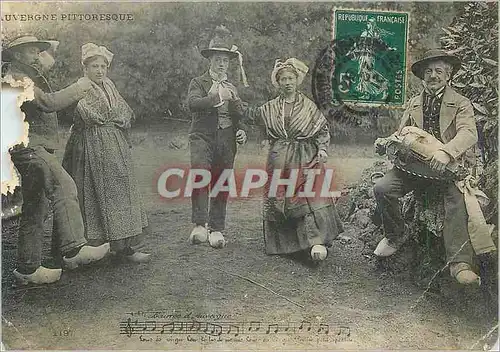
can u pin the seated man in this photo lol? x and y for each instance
(43, 178)
(449, 117)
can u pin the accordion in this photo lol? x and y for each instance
(411, 151)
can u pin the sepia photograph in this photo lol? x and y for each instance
(258, 176)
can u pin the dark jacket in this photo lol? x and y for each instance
(40, 112)
(204, 115)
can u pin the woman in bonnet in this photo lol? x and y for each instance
(99, 159)
(298, 137)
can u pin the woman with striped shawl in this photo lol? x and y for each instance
(298, 136)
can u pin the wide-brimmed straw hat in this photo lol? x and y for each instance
(220, 44)
(24, 41)
(419, 67)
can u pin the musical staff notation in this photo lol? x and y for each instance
(131, 327)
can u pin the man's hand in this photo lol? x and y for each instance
(231, 88)
(214, 89)
(439, 161)
(84, 83)
(226, 94)
(214, 93)
(380, 146)
(322, 156)
(241, 137)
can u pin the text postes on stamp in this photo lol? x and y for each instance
(370, 65)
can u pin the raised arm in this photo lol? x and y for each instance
(55, 101)
(198, 100)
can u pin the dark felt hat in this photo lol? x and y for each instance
(434, 55)
(220, 44)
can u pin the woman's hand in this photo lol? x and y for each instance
(322, 156)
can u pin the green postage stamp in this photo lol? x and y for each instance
(370, 65)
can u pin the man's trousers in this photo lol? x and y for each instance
(397, 183)
(44, 182)
(214, 152)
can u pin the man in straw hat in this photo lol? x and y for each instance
(43, 179)
(215, 130)
(449, 117)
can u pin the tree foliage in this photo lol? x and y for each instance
(158, 53)
(473, 37)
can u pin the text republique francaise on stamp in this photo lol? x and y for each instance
(370, 68)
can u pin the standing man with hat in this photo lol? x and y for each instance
(448, 116)
(216, 128)
(43, 179)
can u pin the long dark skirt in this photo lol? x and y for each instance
(292, 225)
(100, 161)
(288, 235)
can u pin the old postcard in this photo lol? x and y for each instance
(249, 176)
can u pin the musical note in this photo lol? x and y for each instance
(128, 328)
(152, 323)
(302, 323)
(253, 324)
(325, 328)
(273, 328)
(131, 327)
(195, 326)
(215, 330)
(170, 327)
(180, 326)
(232, 328)
(344, 329)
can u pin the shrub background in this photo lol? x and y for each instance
(157, 53)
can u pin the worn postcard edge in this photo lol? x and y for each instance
(26, 94)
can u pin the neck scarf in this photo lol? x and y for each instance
(217, 77)
(436, 93)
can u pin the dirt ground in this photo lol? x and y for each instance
(84, 309)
